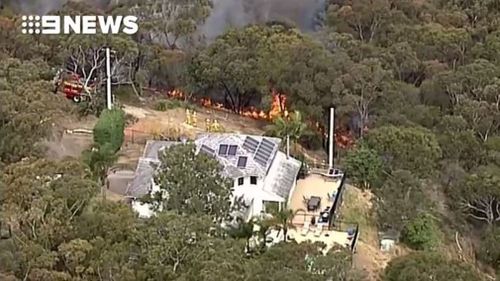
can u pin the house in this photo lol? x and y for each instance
(143, 181)
(263, 176)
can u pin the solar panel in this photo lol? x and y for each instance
(250, 144)
(232, 150)
(264, 151)
(242, 162)
(207, 150)
(223, 149)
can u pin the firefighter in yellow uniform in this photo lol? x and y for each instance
(194, 119)
(215, 127)
(188, 117)
(207, 125)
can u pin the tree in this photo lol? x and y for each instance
(170, 244)
(489, 250)
(412, 149)
(283, 220)
(303, 70)
(421, 266)
(478, 196)
(365, 21)
(236, 65)
(422, 232)
(109, 129)
(404, 61)
(86, 57)
(364, 166)
(41, 201)
(460, 144)
(359, 88)
(193, 183)
(100, 158)
(244, 230)
(400, 199)
(303, 261)
(27, 109)
(291, 126)
(172, 23)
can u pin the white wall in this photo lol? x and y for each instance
(250, 191)
(144, 210)
(246, 182)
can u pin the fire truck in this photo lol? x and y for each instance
(72, 86)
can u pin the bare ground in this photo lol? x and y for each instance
(151, 123)
(64, 142)
(357, 207)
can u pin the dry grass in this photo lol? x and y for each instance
(357, 207)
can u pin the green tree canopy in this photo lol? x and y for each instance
(421, 266)
(412, 149)
(365, 166)
(192, 183)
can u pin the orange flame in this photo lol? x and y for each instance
(277, 106)
(343, 137)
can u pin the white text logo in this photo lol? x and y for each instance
(79, 24)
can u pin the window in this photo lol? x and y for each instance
(242, 162)
(253, 180)
(223, 149)
(232, 150)
(271, 207)
(240, 181)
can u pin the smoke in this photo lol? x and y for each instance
(305, 14)
(42, 7)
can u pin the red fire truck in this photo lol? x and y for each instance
(72, 87)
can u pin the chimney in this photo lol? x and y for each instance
(331, 138)
(287, 146)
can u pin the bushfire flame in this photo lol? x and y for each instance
(343, 137)
(278, 106)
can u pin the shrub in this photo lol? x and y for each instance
(164, 105)
(311, 140)
(421, 233)
(109, 128)
(489, 249)
(161, 106)
(364, 166)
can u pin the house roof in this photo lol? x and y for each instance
(259, 152)
(282, 175)
(146, 166)
(263, 159)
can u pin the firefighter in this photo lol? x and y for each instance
(188, 117)
(216, 127)
(207, 125)
(194, 119)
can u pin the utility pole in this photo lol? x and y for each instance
(108, 79)
(331, 138)
(287, 146)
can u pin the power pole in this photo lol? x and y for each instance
(287, 146)
(331, 138)
(108, 80)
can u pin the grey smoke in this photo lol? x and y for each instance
(236, 13)
(42, 7)
(226, 13)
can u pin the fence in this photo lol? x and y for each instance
(137, 137)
